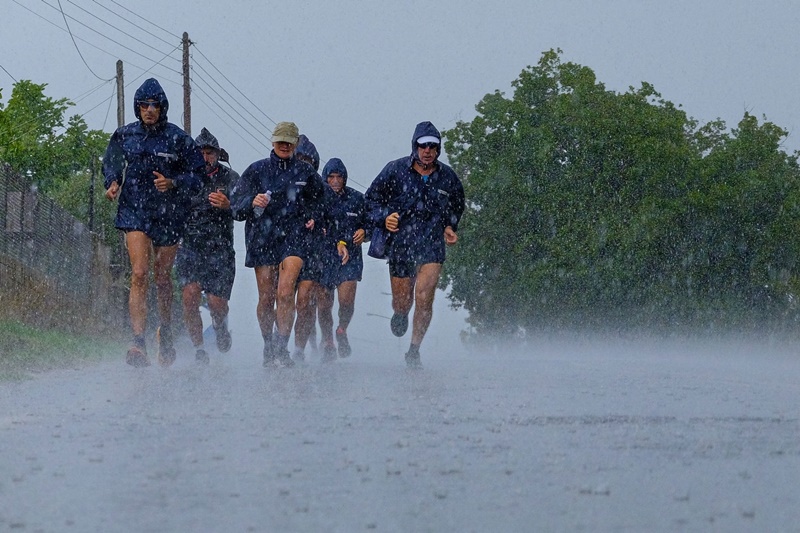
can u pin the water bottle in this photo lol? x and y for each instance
(258, 211)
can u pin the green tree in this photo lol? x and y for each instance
(32, 140)
(591, 207)
(57, 154)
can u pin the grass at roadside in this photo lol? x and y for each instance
(25, 350)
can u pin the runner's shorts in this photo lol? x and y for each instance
(214, 271)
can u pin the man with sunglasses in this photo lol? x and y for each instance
(419, 200)
(153, 168)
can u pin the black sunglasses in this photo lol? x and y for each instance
(145, 105)
(428, 145)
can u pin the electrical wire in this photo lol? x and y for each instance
(136, 25)
(9, 74)
(118, 29)
(149, 22)
(98, 32)
(76, 44)
(233, 85)
(220, 99)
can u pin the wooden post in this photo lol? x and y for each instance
(187, 89)
(120, 95)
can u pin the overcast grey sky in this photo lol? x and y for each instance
(357, 76)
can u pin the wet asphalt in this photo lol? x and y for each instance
(585, 435)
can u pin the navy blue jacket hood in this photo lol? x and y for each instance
(424, 129)
(206, 139)
(334, 165)
(306, 148)
(151, 90)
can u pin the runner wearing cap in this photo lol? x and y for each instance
(279, 198)
(418, 200)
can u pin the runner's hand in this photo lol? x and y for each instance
(450, 236)
(358, 236)
(162, 183)
(112, 191)
(219, 200)
(341, 248)
(393, 222)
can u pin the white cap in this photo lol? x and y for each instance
(428, 139)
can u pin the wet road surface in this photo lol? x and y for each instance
(584, 436)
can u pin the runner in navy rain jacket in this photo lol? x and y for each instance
(347, 213)
(296, 197)
(134, 152)
(426, 208)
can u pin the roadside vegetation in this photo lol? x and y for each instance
(25, 350)
(593, 209)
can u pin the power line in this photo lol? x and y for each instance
(233, 85)
(136, 25)
(241, 128)
(9, 74)
(221, 99)
(76, 44)
(156, 64)
(103, 50)
(99, 33)
(149, 21)
(118, 29)
(231, 97)
(108, 110)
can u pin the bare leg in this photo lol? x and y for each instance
(325, 312)
(267, 282)
(192, 296)
(402, 294)
(347, 303)
(139, 250)
(427, 280)
(162, 270)
(287, 279)
(218, 308)
(305, 313)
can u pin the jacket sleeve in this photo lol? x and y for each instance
(314, 198)
(114, 161)
(243, 192)
(378, 198)
(192, 169)
(457, 203)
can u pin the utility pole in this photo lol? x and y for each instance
(187, 89)
(120, 95)
(91, 197)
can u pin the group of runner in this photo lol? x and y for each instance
(303, 233)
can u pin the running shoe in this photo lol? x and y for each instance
(399, 324)
(282, 358)
(269, 356)
(413, 359)
(343, 343)
(201, 356)
(166, 351)
(224, 339)
(328, 352)
(137, 357)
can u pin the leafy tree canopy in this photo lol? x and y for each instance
(591, 207)
(38, 141)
